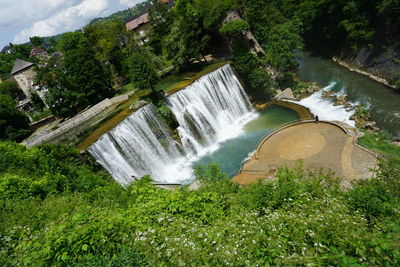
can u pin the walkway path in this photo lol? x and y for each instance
(326, 145)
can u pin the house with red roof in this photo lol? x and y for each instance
(37, 52)
(141, 23)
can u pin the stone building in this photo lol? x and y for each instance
(24, 75)
(6, 50)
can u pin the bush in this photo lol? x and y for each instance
(210, 172)
(257, 81)
(234, 27)
(44, 170)
(302, 218)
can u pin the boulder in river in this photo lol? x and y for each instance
(286, 94)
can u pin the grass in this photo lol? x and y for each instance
(175, 82)
(171, 83)
(40, 115)
(379, 143)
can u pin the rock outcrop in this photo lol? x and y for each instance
(249, 37)
(379, 64)
(285, 94)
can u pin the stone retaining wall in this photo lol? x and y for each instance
(303, 112)
(80, 118)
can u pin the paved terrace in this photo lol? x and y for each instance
(326, 145)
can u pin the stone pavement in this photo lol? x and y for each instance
(324, 145)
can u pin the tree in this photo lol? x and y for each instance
(7, 60)
(36, 41)
(77, 80)
(283, 41)
(37, 101)
(107, 39)
(234, 27)
(161, 21)
(10, 88)
(188, 38)
(250, 68)
(14, 125)
(142, 71)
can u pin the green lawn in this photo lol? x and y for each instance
(379, 143)
(171, 83)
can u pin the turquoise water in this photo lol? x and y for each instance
(233, 152)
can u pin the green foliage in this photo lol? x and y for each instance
(14, 125)
(373, 198)
(161, 21)
(106, 38)
(141, 71)
(165, 113)
(36, 41)
(234, 27)
(332, 24)
(380, 143)
(257, 81)
(41, 114)
(37, 101)
(43, 170)
(75, 81)
(123, 15)
(397, 83)
(188, 38)
(10, 88)
(7, 60)
(279, 36)
(379, 197)
(210, 173)
(301, 218)
(281, 45)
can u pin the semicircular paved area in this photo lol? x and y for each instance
(327, 145)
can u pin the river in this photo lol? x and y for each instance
(382, 102)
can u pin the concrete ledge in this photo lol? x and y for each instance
(318, 145)
(75, 121)
(303, 112)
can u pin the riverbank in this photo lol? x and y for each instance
(353, 68)
(381, 102)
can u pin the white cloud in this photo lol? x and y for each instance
(14, 13)
(130, 3)
(67, 17)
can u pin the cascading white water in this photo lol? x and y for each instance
(325, 108)
(138, 146)
(209, 111)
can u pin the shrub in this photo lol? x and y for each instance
(234, 27)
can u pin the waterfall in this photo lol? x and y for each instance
(210, 111)
(140, 145)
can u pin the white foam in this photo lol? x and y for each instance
(325, 108)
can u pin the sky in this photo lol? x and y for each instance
(21, 19)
